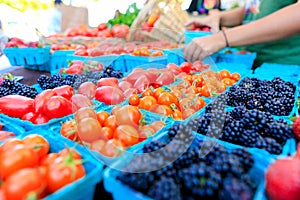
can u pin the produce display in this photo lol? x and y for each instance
(21, 162)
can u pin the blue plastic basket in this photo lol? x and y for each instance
(132, 62)
(82, 189)
(246, 59)
(27, 56)
(117, 61)
(124, 192)
(58, 60)
(190, 35)
(11, 127)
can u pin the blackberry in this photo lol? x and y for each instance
(153, 146)
(4, 91)
(255, 120)
(272, 146)
(238, 112)
(172, 132)
(281, 132)
(193, 123)
(108, 70)
(168, 171)
(203, 124)
(139, 181)
(186, 159)
(235, 189)
(248, 138)
(253, 103)
(233, 131)
(228, 164)
(245, 158)
(8, 83)
(165, 189)
(116, 74)
(200, 181)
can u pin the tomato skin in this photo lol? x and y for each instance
(8, 144)
(61, 173)
(111, 122)
(235, 76)
(224, 74)
(5, 135)
(109, 95)
(40, 119)
(101, 26)
(166, 98)
(127, 135)
(87, 89)
(174, 68)
(128, 115)
(85, 112)
(57, 107)
(81, 101)
(41, 99)
(37, 142)
(187, 113)
(186, 67)
(146, 102)
(108, 133)
(157, 92)
(108, 82)
(16, 158)
(112, 148)
(66, 152)
(23, 183)
(49, 159)
(89, 130)
(102, 116)
(147, 92)
(158, 125)
(16, 105)
(177, 115)
(97, 145)
(65, 91)
(134, 100)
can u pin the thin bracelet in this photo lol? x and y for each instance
(226, 40)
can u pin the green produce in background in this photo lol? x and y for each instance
(127, 18)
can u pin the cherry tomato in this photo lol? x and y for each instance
(157, 92)
(162, 109)
(146, 102)
(128, 115)
(16, 158)
(107, 132)
(177, 115)
(24, 183)
(111, 122)
(198, 103)
(224, 74)
(134, 100)
(187, 113)
(166, 98)
(38, 143)
(228, 81)
(127, 135)
(97, 145)
(102, 116)
(235, 76)
(204, 91)
(158, 125)
(69, 130)
(89, 130)
(112, 148)
(147, 92)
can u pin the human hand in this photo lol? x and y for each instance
(202, 47)
(212, 21)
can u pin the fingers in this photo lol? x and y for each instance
(192, 51)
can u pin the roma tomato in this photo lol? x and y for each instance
(87, 89)
(16, 105)
(57, 107)
(41, 99)
(63, 171)
(109, 95)
(127, 135)
(81, 101)
(16, 158)
(38, 143)
(8, 144)
(124, 85)
(102, 116)
(128, 115)
(174, 68)
(25, 184)
(65, 91)
(108, 82)
(89, 130)
(85, 112)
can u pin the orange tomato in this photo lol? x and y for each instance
(177, 115)
(228, 81)
(107, 132)
(102, 116)
(205, 91)
(187, 113)
(162, 109)
(146, 102)
(157, 92)
(189, 78)
(134, 100)
(224, 74)
(235, 76)
(147, 92)
(111, 122)
(166, 98)
(198, 103)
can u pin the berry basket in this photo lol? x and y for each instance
(30, 58)
(84, 188)
(121, 191)
(58, 60)
(190, 35)
(117, 61)
(246, 59)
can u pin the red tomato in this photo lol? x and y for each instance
(16, 158)
(186, 67)
(63, 172)
(49, 159)
(129, 92)
(65, 91)
(41, 99)
(57, 107)
(120, 30)
(166, 78)
(24, 184)
(81, 52)
(37, 143)
(104, 34)
(89, 130)
(16, 105)
(8, 144)
(108, 82)
(174, 68)
(81, 101)
(40, 119)
(124, 85)
(101, 26)
(109, 95)
(128, 115)
(141, 83)
(69, 130)
(70, 152)
(87, 89)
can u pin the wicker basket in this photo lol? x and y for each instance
(169, 26)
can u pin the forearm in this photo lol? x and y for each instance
(279, 25)
(232, 18)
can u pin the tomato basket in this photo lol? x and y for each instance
(58, 60)
(190, 35)
(82, 189)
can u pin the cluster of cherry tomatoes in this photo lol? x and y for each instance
(29, 171)
(110, 133)
(145, 51)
